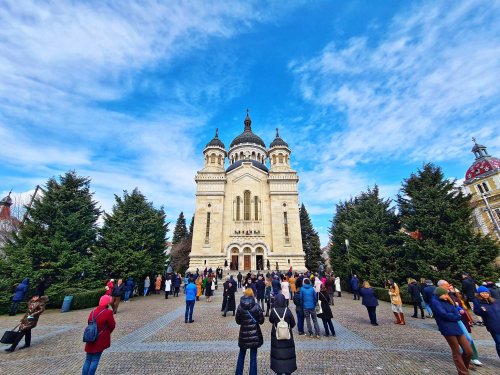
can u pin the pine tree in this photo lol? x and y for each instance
(133, 236)
(310, 240)
(191, 227)
(370, 225)
(442, 243)
(57, 239)
(180, 230)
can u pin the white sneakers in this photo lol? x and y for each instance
(476, 362)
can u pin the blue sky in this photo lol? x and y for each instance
(129, 93)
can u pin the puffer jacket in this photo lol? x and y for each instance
(283, 359)
(21, 290)
(260, 286)
(447, 317)
(490, 312)
(249, 316)
(428, 293)
(325, 306)
(298, 302)
(308, 297)
(35, 309)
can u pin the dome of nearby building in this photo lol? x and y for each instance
(255, 163)
(215, 142)
(278, 141)
(7, 201)
(248, 136)
(484, 164)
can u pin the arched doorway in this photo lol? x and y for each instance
(234, 265)
(247, 259)
(259, 258)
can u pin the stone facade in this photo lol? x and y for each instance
(247, 215)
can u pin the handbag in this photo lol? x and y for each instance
(212, 286)
(318, 308)
(9, 337)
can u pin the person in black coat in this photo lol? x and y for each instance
(260, 287)
(283, 360)
(230, 300)
(326, 316)
(249, 317)
(416, 299)
(370, 300)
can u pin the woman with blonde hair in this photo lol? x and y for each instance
(370, 301)
(396, 302)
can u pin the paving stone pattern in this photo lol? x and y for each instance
(152, 338)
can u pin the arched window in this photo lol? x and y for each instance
(212, 158)
(220, 160)
(258, 157)
(285, 223)
(253, 155)
(286, 159)
(236, 157)
(280, 158)
(246, 205)
(207, 230)
(238, 205)
(242, 156)
(274, 159)
(256, 207)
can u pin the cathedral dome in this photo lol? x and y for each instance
(255, 163)
(484, 164)
(248, 136)
(215, 142)
(278, 141)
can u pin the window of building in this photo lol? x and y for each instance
(220, 160)
(274, 159)
(480, 188)
(246, 205)
(280, 158)
(212, 158)
(238, 204)
(256, 207)
(485, 187)
(497, 211)
(207, 231)
(285, 223)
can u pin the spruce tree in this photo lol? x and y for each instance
(57, 239)
(191, 227)
(370, 225)
(310, 240)
(440, 240)
(133, 236)
(180, 230)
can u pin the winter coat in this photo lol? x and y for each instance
(249, 317)
(337, 284)
(252, 286)
(285, 289)
(317, 284)
(297, 302)
(129, 284)
(298, 282)
(208, 290)
(147, 283)
(414, 292)
(21, 290)
(355, 283)
(293, 287)
(168, 285)
(308, 297)
(158, 283)
(276, 285)
(260, 286)
(469, 289)
(35, 309)
(446, 316)
(324, 299)
(105, 325)
(239, 277)
(198, 287)
(494, 291)
(428, 293)
(191, 292)
(369, 297)
(283, 360)
(118, 290)
(490, 312)
(330, 285)
(230, 294)
(177, 282)
(109, 288)
(395, 295)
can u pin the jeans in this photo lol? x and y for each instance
(469, 339)
(239, 283)
(356, 293)
(127, 295)
(146, 291)
(27, 339)
(241, 362)
(327, 323)
(429, 310)
(308, 314)
(189, 310)
(496, 338)
(300, 320)
(461, 360)
(13, 308)
(261, 302)
(372, 314)
(91, 363)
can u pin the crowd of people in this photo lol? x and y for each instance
(269, 295)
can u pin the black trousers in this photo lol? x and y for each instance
(372, 313)
(27, 339)
(416, 306)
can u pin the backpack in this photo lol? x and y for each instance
(282, 330)
(90, 334)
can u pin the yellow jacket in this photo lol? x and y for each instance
(395, 296)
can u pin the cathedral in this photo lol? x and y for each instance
(247, 212)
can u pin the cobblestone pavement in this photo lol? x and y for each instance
(152, 338)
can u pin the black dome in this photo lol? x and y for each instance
(255, 163)
(248, 136)
(278, 141)
(215, 142)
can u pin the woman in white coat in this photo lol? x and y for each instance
(285, 289)
(337, 287)
(168, 287)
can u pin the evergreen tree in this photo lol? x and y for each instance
(191, 227)
(57, 239)
(133, 236)
(442, 242)
(180, 230)
(370, 225)
(310, 240)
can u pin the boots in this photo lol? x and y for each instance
(398, 320)
(402, 317)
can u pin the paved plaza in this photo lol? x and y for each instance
(152, 338)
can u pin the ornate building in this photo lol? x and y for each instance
(8, 223)
(482, 181)
(247, 215)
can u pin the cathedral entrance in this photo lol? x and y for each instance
(260, 262)
(247, 262)
(234, 262)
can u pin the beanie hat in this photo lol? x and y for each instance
(440, 291)
(483, 289)
(105, 300)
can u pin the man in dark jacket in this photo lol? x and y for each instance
(239, 277)
(469, 291)
(129, 287)
(494, 291)
(19, 295)
(117, 294)
(283, 359)
(299, 311)
(355, 287)
(249, 317)
(414, 292)
(260, 287)
(230, 300)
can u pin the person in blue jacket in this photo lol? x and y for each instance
(370, 301)
(447, 318)
(177, 285)
(191, 291)
(18, 296)
(355, 287)
(489, 309)
(129, 287)
(309, 300)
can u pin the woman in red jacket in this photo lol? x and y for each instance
(105, 325)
